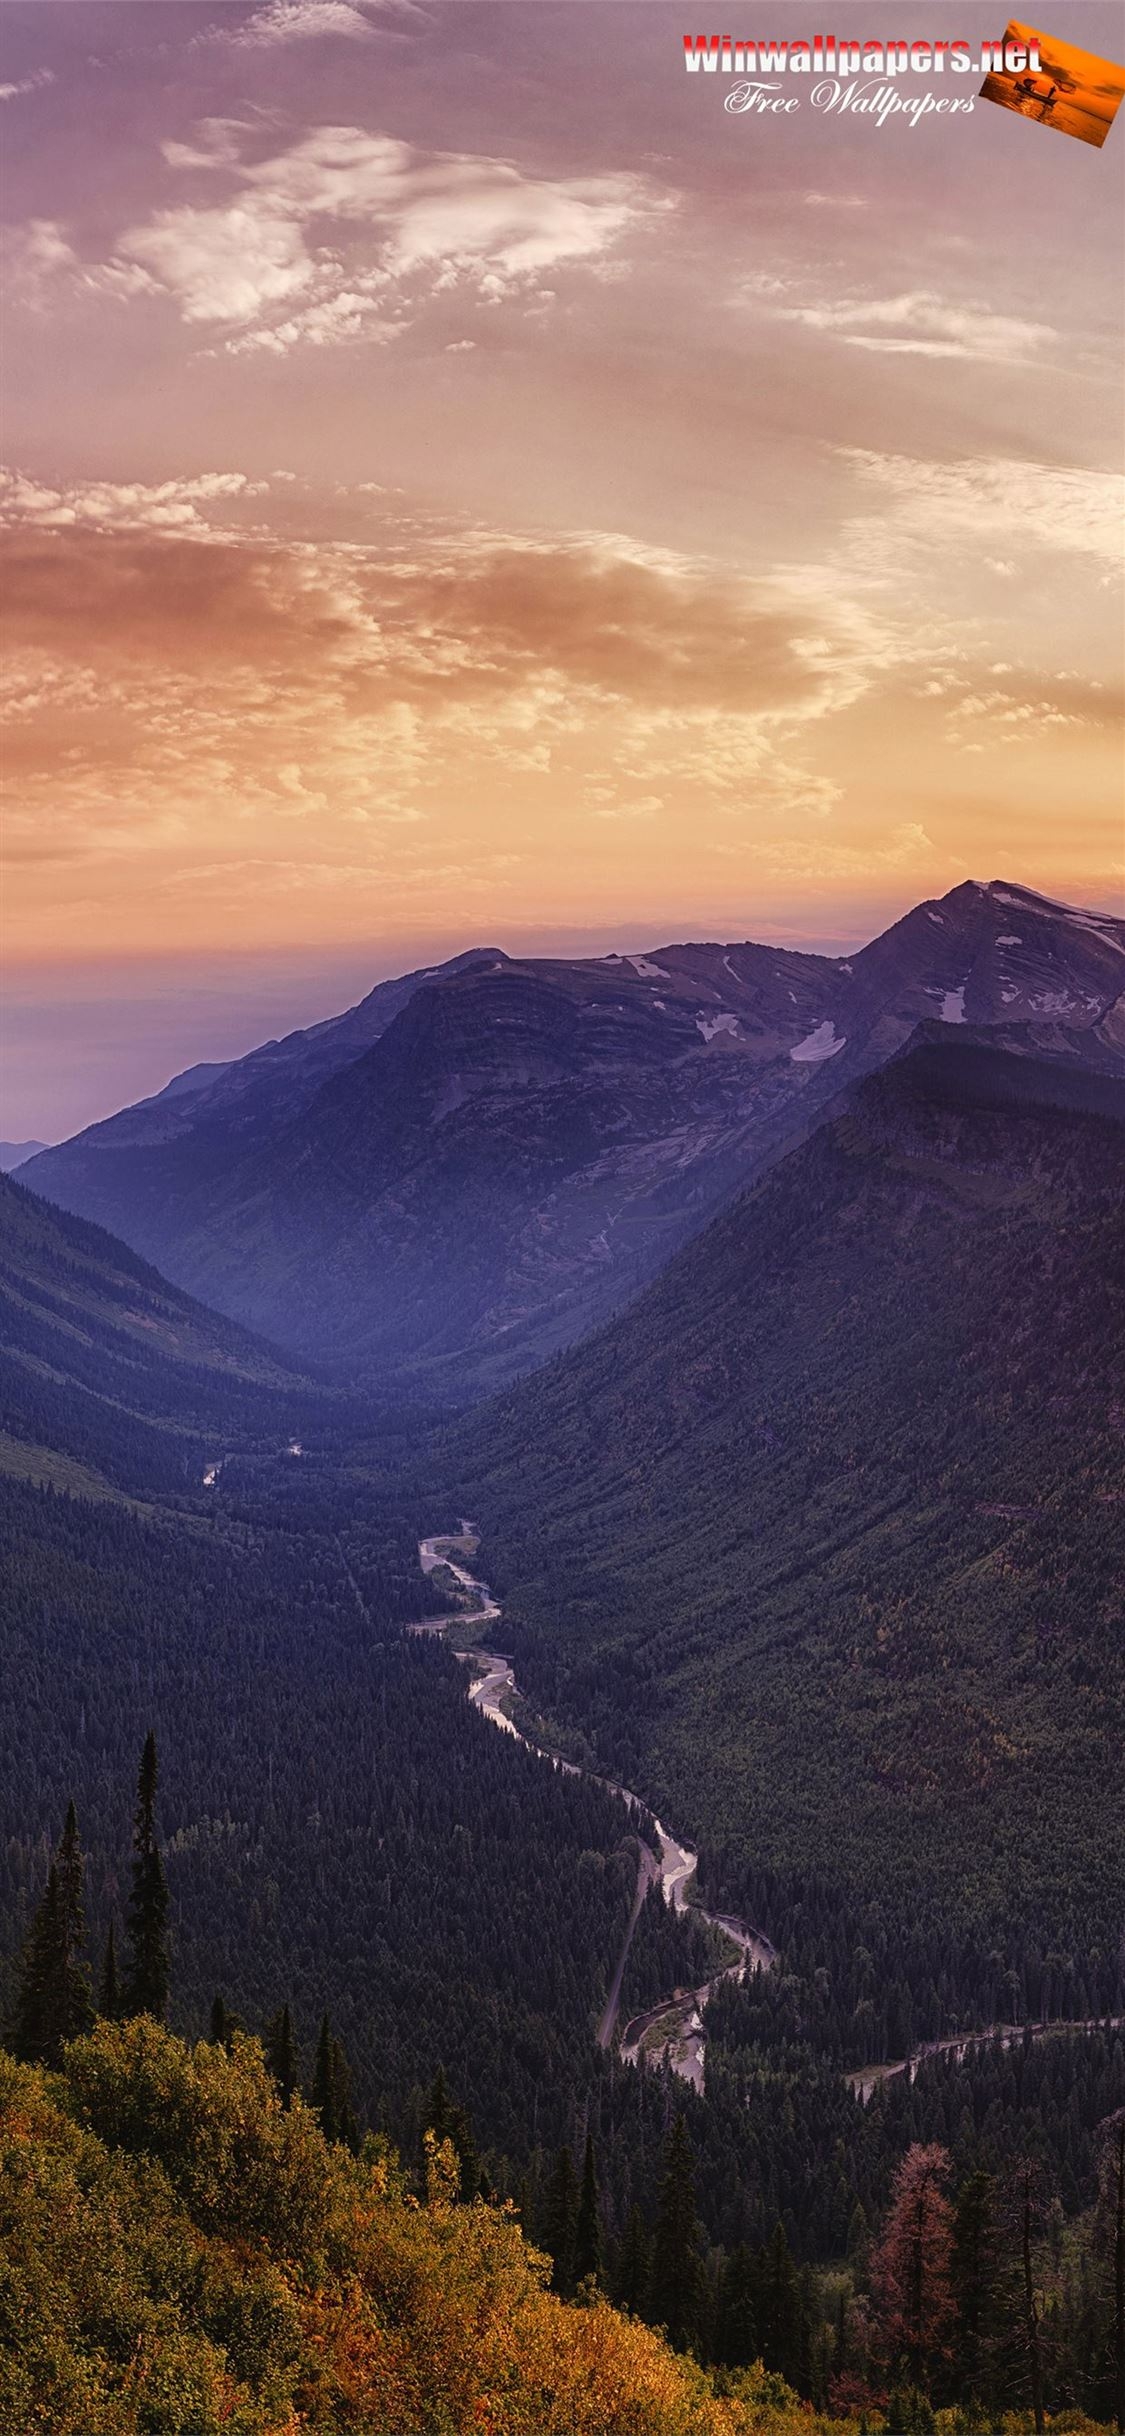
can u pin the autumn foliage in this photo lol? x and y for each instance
(911, 2270)
(182, 2256)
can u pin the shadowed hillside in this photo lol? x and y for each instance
(822, 1542)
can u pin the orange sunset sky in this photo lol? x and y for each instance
(463, 485)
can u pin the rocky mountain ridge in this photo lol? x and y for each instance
(482, 1161)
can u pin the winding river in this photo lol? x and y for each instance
(672, 2030)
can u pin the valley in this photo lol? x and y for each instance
(813, 1551)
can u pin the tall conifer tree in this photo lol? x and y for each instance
(588, 2224)
(54, 2003)
(324, 2081)
(736, 2340)
(560, 2220)
(109, 1990)
(633, 2264)
(331, 2088)
(676, 2283)
(146, 1979)
(281, 2055)
(976, 2279)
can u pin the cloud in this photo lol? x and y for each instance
(36, 254)
(553, 626)
(161, 506)
(819, 859)
(361, 226)
(28, 84)
(1059, 508)
(287, 21)
(922, 323)
(1033, 708)
(224, 266)
(164, 670)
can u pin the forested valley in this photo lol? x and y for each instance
(420, 1918)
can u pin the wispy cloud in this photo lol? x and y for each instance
(1059, 508)
(27, 84)
(922, 323)
(349, 233)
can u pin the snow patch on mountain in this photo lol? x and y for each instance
(709, 1025)
(953, 1005)
(820, 1044)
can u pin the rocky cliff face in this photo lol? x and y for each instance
(482, 1162)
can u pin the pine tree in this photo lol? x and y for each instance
(109, 1992)
(634, 2263)
(324, 2081)
(975, 2280)
(146, 1979)
(782, 2317)
(331, 2089)
(1030, 2212)
(858, 2241)
(588, 2226)
(911, 2267)
(736, 2336)
(560, 2221)
(345, 2112)
(675, 2284)
(54, 2003)
(218, 2033)
(281, 2056)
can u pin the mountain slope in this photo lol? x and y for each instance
(13, 1154)
(136, 1170)
(103, 1364)
(823, 1542)
(525, 1143)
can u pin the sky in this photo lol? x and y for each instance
(463, 484)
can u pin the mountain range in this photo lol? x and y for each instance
(486, 1158)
